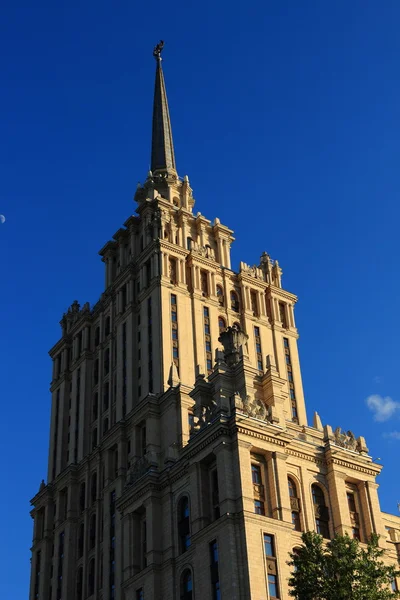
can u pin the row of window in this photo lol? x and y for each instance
(318, 497)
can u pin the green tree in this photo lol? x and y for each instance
(343, 569)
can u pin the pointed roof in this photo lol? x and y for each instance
(162, 147)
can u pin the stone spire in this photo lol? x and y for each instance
(162, 147)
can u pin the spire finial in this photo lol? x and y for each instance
(158, 49)
(162, 147)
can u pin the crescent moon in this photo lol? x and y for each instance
(2, 219)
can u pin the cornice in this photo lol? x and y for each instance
(318, 460)
(351, 466)
(279, 292)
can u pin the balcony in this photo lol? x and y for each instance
(354, 518)
(321, 512)
(258, 490)
(294, 503)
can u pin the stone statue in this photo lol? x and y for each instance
(158, 49)
(345, 440)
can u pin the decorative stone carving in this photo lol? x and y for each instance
(139, 468)
(232, 339)
(205, 251)
(73, 314)
(204, 412)
(345, 440)
(173, 379)
(256, 408)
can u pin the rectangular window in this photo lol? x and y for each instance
(259, 508)
(214, 570)
(257, 340)
(139, 594)
(269, 545)
(256, 474)
(289, 369)
(269, 550)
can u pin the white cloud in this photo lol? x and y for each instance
(393, 435)
(383, 408)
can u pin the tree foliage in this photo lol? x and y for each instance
(343, 569)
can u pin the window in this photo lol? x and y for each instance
(82, 497)
(234, 302)
(289, 369)
(394, 586)
(95, 407)
(256, 474)
(184, 524)
(214, 570)
(282, 315)
(186, 585)
(354, 516)
(215, 494)
(139, 594)
(37, 573)
(107, 361)
(172, 271)
(221, 324)
(189, 243)
(294, 504)
(257, 340)
(320, 511)
(96, 372)
(148, 273)
(79, 584)
(91, 578)
(254, 303)
(92, 531)
(107, 328)
(204, 283)
(207, 338)
(124, 296)
(105, 425)
(106, 395)
(174, 330)
(93, 488)
(269, 550)
(220, 295)
(259, 508)
(94, 438)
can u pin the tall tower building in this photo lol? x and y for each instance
(181, 463)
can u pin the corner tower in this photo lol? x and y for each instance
(178, 424)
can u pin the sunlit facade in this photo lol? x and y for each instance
(181, 464)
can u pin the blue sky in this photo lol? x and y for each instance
(286, 119)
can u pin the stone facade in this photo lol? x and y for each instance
(181, 464)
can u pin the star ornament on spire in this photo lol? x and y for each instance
(158, 49)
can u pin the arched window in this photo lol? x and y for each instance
(221, 324)
(92, 531)
(91, 578)
(321, 511)
(294, 504)
(186, 585)
(235, 301)
(82, 497)
(81, 537)
(93, 487)
(184, 524)
(220, 295)
(79, 584)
